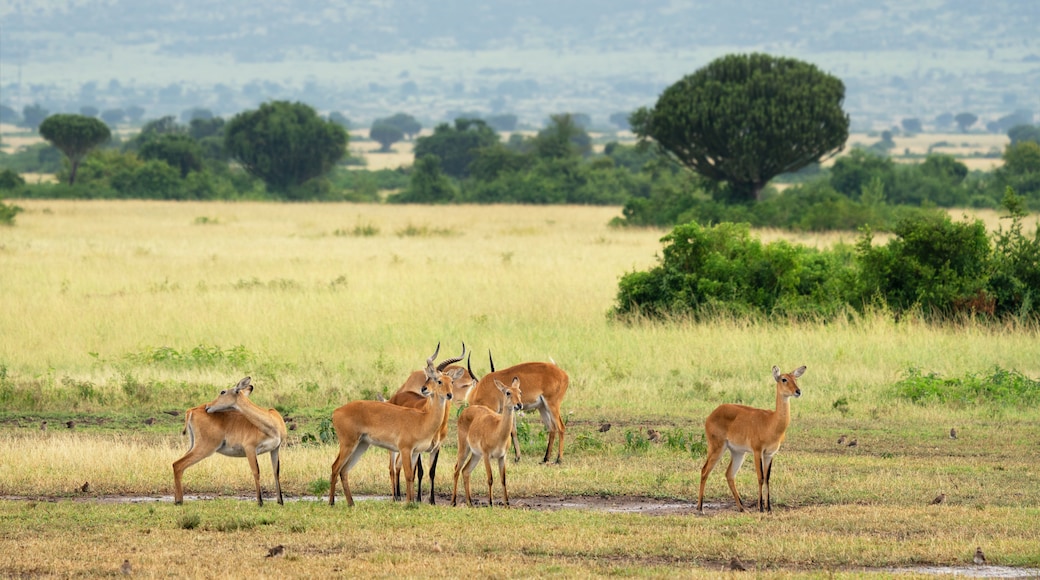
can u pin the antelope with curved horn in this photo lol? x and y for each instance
(485, 434)
(545, 385)
(232, 425)
(408, 396)
(743, 429)
(361, 424)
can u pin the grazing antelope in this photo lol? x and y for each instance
(232, 425)
(360, 424)
(408, 396)
(545, 385)
(741, 429)
(485, 433)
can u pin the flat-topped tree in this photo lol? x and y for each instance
(75, 136)
(746, 118)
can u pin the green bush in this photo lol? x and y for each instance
(933, 265)
(722, 269)
(998, 387)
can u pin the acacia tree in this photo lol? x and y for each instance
(744, 119)
(385, 134)
(75, 136)
(284, 144)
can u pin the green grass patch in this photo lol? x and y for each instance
(998, 386)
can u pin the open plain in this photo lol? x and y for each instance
(119, 315)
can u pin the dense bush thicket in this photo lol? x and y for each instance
(933, 265)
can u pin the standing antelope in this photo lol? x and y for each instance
(360, 424)
(408, 396)
(545, 385)
(741, 429)
(232, 425)
(485, 433)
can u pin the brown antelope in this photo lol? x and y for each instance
(485, 433)
(741, 429)
(408, 396)
(232, 425)
(360, 424)
(545, 385)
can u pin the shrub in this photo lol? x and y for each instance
(998, 387)
(722, 269)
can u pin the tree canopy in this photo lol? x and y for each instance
(456, 146)
(745, 119)
(385, 134)
(75, 136)
(284, 144)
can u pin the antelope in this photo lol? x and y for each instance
(485, 433)
(741, 429)
(545, 385)
(408, 396)
(232, 425)
(360, 424)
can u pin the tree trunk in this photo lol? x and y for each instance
(72, 172)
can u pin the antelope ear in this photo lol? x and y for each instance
(516, 382)
(244, 384)
(776, 373)
(798, 371)
(499, 384)
(455, 373)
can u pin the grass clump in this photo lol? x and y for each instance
(201, 355)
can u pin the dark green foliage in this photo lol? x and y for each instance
(1015, 271)
(934, 264)
(10, 180)
(385, 134)
(284, 144)
(722, 269)
(998, 387)
(7, 212)
(457, 146)
(563, 137)
(744, 119)
(178, 151)
(1021, 171)
(408, 125)
(1020, 133)
(428, 184)
(75, 136)
(364, 185)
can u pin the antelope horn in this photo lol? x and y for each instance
(491, 360)
(451, 361)
(429, 361)
(470, 369)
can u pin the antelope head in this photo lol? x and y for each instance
(228, 398)
(785, 383)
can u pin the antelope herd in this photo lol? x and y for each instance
(415, 420)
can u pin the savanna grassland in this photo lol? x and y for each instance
(118, 315)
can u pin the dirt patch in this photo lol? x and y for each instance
(620, 504)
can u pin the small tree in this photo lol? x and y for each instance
(113, 117)
(33, 115)
(405, 122)
(339, 119)
(1021, 133)
(178, 151)
(563, 137)
(911, 125)
(386, 135)
(745, 119)
(620, 120)
(965, 120)
(135, 113)
(284, 144)
(456, 146)
(75, 136)
(428, 183)
(503, 122)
